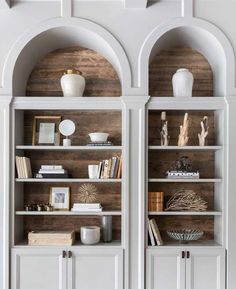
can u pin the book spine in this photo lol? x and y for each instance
(51, 167)
(119, 169)
(156, 232)
(151, 234)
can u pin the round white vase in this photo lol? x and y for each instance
(90, 235)
(182, 82)
(72, 83)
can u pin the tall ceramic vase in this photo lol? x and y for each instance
(182, 82)
(72, 83)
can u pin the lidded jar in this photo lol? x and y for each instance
(72, 83)
(182, 82)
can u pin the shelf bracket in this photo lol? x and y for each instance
(66, 8)
(187, 8)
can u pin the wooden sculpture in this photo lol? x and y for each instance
(183, 135)
(204, 132)
(164, 130)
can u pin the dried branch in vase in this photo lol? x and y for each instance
(204, 132)
(87, 193)
(164, 130)
(186, 200)
(183, 135)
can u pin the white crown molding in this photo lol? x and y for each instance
(135, 3)
(5, 4)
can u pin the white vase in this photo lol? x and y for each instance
(72, 83)
(90, 235)
(182, 82)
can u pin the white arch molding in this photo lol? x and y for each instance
(59, 33)
(200, 35)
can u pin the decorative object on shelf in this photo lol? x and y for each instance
(107, 229)
(98, 137)
(60, 198)
(182, 169)
(182, 82)
(164, 130)
(155, 201)
(72, 83)
(87, 207)
(90, 235)
(185, 236)
(186, 200)
(154, 233)
(52, 172)
(87, 193)
(46, 130)
(183, 135)
(51, 238)
(23, 167)
(93, 171)
(204, 132)
(67, 128)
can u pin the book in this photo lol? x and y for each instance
(116, 167)
(18, 167)
(52, 176)
(100, 143)
(51, 167)
(23, 167)
(156, 232)
(151, 236)
(61, 171)
(113, 163)
(99, 170)
(51, 238)
(86, 210)
(106, 170)
(119, 169)
(87, 205)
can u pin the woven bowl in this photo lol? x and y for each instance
(185, 236)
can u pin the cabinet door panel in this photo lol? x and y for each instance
(38, 269)
(96, 269)
(165, 269)
(205, 269)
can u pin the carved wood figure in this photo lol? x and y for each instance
(183, 135)
(164, 130)
(204, 132)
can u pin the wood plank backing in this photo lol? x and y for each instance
(101, 78)
(165, 64)
(85, 122)
(175, 119)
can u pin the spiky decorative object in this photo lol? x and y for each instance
(87, 193)
(186, 200)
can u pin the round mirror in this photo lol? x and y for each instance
(67, 127)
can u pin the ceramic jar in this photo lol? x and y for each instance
(90, 235)
(72, 83)
(182, 82)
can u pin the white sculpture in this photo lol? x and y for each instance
(182, 82)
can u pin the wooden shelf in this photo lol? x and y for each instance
(68, 213)
(69, 148)
(165, 180)
(34, 180)
(188, 148)
(185, 213)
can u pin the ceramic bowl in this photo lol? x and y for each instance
(90, 235)
(98, 136)
(185, 236)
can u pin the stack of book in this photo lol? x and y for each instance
(23, 167)
(52, 171)
(182, 175)
(100, 143)
(87, 207)
(110, 168)
(154, 233)
(155, 201)
(51, 238)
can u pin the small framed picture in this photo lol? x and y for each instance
(46, 130)
(60, 198)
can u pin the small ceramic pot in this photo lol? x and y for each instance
(98, 136)
(182, 82)
(72, 83)
(90, 235)
(93, 171)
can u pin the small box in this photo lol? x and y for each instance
(51, 238)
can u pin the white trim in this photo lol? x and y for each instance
(135, 4)
(187, 8)
(66, 8)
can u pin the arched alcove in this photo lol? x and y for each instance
(165, 63)
(101, 77)
(60, 33)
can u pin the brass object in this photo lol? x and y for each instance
(73, 71)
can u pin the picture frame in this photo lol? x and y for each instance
(46, 130)
(60, 198)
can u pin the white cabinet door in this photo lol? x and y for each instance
(165, 269)
(205, 269)
(95, 268)
(38, 269)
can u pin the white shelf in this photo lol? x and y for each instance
(165, 180)
(68, 213)
(69, 148)
(190, 148)
(185, 213)
(199, 243)
(34, 180)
